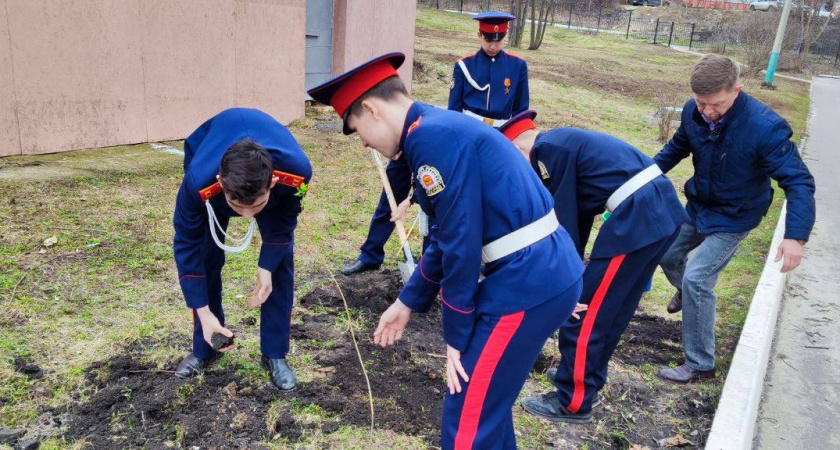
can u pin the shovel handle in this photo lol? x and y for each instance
(389, 192)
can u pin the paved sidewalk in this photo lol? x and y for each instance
(800, 408)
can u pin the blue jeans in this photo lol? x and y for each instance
(695, 279)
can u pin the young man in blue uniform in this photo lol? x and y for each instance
(244, 163)
(489, 207)
(588, 172)
(736, 144)
(372, 252)
(490, 85)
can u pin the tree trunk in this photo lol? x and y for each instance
(540, 23)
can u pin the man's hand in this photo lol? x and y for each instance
(260, 293)
(791, 250)
(454, 369)
(579, 308)
(401, 211)
(391, 324)
(210, 325)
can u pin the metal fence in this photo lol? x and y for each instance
(586, 18)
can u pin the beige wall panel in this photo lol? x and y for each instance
(270, 56)
(9, 132)
(188, 61)
(368, 28)
(78, 74)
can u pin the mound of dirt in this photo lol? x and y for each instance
(134, 405)
(650, 339)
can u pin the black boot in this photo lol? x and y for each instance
(192, 365)
(675, 305)
(547, 406)
(280, 373)
(552, 372)
(357, 267)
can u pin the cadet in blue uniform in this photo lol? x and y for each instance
(490, 208)
(372, 253)
(490, 85)
(588, 172)
(244, 163)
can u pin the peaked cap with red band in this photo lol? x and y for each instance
(519, 124)
(343, 90)
(493, 24)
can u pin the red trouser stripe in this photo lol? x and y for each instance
(482, 375)
(586, 332)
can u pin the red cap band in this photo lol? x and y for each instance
(360, 83)
(519, 127)
(493, 27)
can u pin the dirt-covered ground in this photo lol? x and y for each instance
(94, 322)
(134, 404)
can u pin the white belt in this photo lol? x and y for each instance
(495, 123)
(632, 185)
(519, 239)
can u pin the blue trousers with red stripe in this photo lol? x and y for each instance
(612, 287)
(275, 313)
(498, 360)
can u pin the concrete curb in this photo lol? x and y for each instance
(737, 411)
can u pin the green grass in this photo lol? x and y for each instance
(110, 281)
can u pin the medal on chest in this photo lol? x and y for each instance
(507, 86)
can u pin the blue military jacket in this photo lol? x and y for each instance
(730, 190)
(507, 75)
(582, 168)
(203, 151)
(478, 188)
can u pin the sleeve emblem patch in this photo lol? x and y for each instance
(543, 171)
(430, 179)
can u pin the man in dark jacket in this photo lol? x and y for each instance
(736, 144)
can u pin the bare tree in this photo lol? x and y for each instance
(517, 28)
(539, 22)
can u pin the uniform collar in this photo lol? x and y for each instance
(414, 112)
(484, 54)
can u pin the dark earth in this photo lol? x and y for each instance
(133, 405)
(219, 341)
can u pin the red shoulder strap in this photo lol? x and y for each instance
(284, 178)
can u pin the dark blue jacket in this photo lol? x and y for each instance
(507, 75)
(478, 188)
(203, 151)
(582, 169)
(730, 190)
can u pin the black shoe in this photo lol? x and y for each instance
(684, 374)
(547, 406)
(280, 373)
(357, 267)
(550, 373)
(192, 365)
(675, 305)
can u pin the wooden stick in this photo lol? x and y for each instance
(14, 291)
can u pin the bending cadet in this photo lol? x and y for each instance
(261, 173)
(490, 208)
(588, 172)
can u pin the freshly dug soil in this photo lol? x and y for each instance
(133, 405)
(219, 341)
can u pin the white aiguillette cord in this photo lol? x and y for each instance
(473, 82)
(242, 243)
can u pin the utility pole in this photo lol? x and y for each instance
(777, 47)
